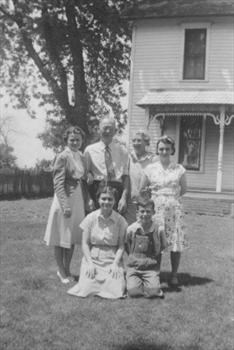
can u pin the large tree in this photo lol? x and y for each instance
(80, 49)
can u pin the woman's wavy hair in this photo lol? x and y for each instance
(143, 135)
(73, 130)
(105, 188)
(168, 141)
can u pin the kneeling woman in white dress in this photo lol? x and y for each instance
(103, 239)
(67, 209)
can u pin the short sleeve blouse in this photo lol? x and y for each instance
(164, 181)
(105, 231)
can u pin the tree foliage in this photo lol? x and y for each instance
(7, 157)
(80, 49)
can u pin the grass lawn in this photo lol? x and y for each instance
(36, 313)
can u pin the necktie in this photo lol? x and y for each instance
(109, 164)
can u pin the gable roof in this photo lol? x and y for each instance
(178, 8)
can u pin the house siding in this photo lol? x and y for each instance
(158, 59)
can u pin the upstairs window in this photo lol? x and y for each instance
(195, 54)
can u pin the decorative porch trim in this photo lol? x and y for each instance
(222, 119)
(161, 117)
(218, 120)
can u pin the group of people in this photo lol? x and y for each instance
(118, 205)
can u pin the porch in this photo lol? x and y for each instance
(209, 203)
(187, 116)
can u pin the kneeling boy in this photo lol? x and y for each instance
(144, 245)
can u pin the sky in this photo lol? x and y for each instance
(23, 134)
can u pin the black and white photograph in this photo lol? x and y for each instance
(116, 174)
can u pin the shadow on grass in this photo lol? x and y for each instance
(142, 346)
(185, 279)
(150, 346)
(32, 283)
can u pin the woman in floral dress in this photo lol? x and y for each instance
(166, 182)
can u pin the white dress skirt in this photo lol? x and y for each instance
(103, 284)
(62, 231)
(105, 235)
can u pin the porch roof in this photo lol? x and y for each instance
(187, 97)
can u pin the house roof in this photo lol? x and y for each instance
(178, 8)
(187, 97)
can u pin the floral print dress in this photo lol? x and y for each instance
(165, 191)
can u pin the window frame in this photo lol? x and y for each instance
(203, 134)
(184, 27)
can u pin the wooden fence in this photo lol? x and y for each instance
(15, 183)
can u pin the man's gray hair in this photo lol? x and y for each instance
(110, 120)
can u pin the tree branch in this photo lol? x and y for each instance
(7, 14)
(52, 48)
(58, 92)
(80, 89)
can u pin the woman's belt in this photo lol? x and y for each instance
(158, 194)
(103, 246)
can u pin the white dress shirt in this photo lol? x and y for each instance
(95, 160)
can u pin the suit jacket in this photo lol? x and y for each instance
(67, 175)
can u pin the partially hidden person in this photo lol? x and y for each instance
(93, 130)
(107, 162)
(144, 244)
(68, 206)
(140, 157)
(166, 181)
(104, 232)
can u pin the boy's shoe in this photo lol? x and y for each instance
(160, 294)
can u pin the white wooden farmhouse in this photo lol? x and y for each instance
(182, 82)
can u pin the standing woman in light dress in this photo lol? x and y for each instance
(67, 209)
(166, 181)
(140, 157)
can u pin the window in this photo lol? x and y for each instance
(195, 54)
(191, 134)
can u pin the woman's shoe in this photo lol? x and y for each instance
(174, 281)
(62, 279)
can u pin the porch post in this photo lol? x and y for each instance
(154, 127)
(220, 152)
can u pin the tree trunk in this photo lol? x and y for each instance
(78, 116)
(80, 110)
